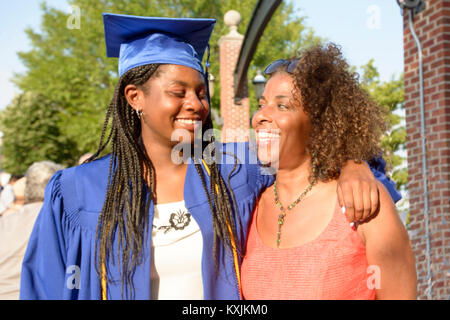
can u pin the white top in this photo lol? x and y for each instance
(15, 230)
(6, 197)
(176, 270)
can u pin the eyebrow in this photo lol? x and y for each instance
(276, 97)
(182, 83)
(282, 96)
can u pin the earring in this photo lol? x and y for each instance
(139, 113)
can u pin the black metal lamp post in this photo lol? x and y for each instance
(211, 81)
(259, 81)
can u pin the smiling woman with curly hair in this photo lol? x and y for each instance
(313, 117)
(345, 122)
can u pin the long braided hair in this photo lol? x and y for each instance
(125, 210)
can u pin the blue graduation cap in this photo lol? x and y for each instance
(138, 41)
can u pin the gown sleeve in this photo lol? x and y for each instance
(44, 263)
(244, 153)
(261, 177)
(378, 167)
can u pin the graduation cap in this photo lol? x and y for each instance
(138, 41)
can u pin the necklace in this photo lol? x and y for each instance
(292, 205)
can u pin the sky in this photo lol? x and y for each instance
(364, 28)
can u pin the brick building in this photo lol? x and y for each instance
(432, 248)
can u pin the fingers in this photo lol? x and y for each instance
(340, 196)
(360, 200)
(374, 199)
(342, 202)
(346, 193)
(370, 200)
(367, 204)
(366, 200)
(358, 192)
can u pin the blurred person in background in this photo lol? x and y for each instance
(84, 157)
(4, 179)
(17, 222)
(18, 189)
(7, 195)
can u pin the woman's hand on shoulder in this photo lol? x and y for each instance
(357, 191)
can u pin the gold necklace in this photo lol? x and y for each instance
(292, 205)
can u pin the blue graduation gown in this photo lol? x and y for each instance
(59, 262)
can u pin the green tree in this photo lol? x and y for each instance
(390, 96)
(31, 133)
(68, 66)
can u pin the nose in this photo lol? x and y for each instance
(262, 116)
(195, 103)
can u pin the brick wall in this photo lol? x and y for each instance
(235, 117)
(433, 30)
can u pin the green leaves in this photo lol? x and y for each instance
(390, 96)
(30, 133)
(69, 81)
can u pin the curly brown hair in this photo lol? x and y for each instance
(345, 122)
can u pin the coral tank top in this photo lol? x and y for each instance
(331, 267)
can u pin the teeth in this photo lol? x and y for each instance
(267, 135)
(186, 121)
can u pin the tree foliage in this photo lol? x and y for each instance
(31, 133)
(390, 96)
(69, 81)
(68, 68)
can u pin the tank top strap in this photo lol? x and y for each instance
(339, 228)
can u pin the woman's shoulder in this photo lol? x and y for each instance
(385, 225)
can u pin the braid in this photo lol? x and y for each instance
(220, 205)
(124, 214)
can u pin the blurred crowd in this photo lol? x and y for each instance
(21, 199)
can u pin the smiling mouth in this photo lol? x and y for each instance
(267, 136)
(188, 121)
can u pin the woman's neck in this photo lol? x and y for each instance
(161, 157)
(296, 173)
